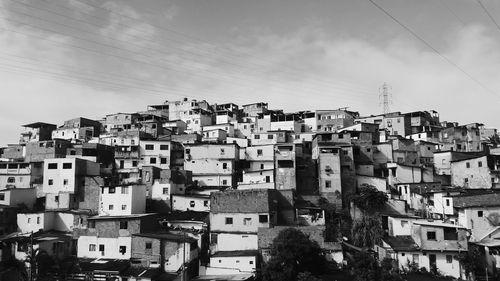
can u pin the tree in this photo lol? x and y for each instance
(365, 267)
(471, 261)
(292, 253)
(369, 199)
(367, 231)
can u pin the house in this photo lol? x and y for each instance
(254, 109)
(285, 157)
(38, 131)
(476, 172)
(122, 200)
(41, 150)
(197, 203)
(213, 164)
(63, 179)
(20, 174)
(120, 121)
(479, 213)
(111, 236)
(78, 129)
(460, 138)
(235, 217)
(168, 251)
(162, 154)
(426, 244)
(329, 120)
(18, 196)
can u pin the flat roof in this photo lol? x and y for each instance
(38, 125)
(242, 253)
(438, 224)
(121, 217)
(167, 236)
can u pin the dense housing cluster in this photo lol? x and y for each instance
(193, 190)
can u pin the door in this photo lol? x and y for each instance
(432, 263)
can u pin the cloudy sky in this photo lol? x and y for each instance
(61, 59)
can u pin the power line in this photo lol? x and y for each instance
(488, 13)
(433, 49)
(452, 12)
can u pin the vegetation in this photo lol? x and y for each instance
(367, 231)
(293, 253)
(367, 268)
(471, 261)
(369, 199)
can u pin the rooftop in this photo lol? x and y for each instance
(477, 200)
(242, 253)
(401, 243)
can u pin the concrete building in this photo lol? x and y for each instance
(254, 109)
(78, 129)
(213, 164)
(20, 174)
(39, 151)
(460, 138)
(477, 172)
(122, 200)
(38, 131)
(329, 120)
(161, 154)
(111, 236)
(18, 196)
(479, 213)
(197, 203)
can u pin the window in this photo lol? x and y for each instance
(123, 250)
(467, 164)
(449, 258)
(163, 146)
(149, 147)
(149, 248)
(270, 137)
(123, 224)
(163, 160)
(2, 196)
(152, 160)
(285, 163)
(205, 203)
(224, 165)
(134, 163)
(11, 180)
(51, 181)
(480, 213)
(259, 152)
(479, 164)
(256, 137)
(431, 235)
(188, 150)
(224, 182)
(447, 202)
(250, 262)
(450, 233)
(111, 207)
(37, 220)
(263, 218)
(229, 220)
(65, 182)
(91, 224)
(124, 207)
(111, 190)
(56, 198)
(165, 190)
(101, 248)
(328, 184)
(92, 247)
(67, 165)
(52, 166)
(124, 189)
(191, 203)
(247, 221)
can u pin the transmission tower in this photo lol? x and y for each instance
(385, 97)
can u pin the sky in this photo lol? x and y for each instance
(61, 59)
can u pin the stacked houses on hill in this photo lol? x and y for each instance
(186, 189)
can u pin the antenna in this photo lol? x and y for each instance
(385, 97)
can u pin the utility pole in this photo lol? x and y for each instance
(385, 97)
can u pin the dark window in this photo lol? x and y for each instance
(263, 218)
(152, 160)
(52, 166)
(224, 165)
(123, 224)
(112, 190)
(256, 137)
(229, 220)
(191, 203)
(269, 137)
(101, 247)
(188, 150)
(149, 246)
(224, 182)
(449, 258)
(205, 203)
(479, 213)
(73, 152)
(2, 196)
(123, 250)
(11, 180)
(285, 164)
(450, 233)
(3, 166)
(467, 164)
(150, 147)
(134, 163)
(163, 160)
(259, 152)
(328, 184)
(51, 181)
(431, 235)
(479, 164)
(163, 146)
(67, 165)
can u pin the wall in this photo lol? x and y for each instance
(111, 247)
(479, 226)
(236, 242)
(242, 263)
(472, 177)
(263, 176)
(190, 203)
(28, 222)
(14, 197)
(218, 222)
(379, 183)
(134, 200)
